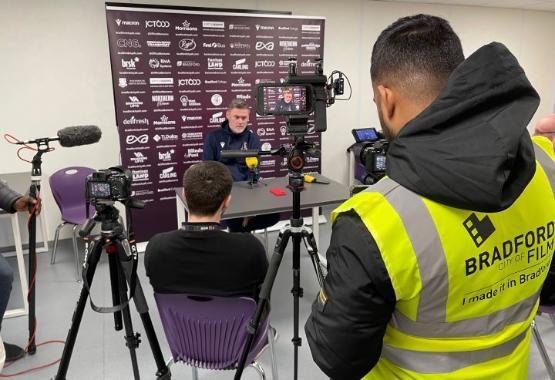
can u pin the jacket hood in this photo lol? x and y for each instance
(470, 148)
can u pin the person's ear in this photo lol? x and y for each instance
(227, 114)
(227, 201)
(387, 103)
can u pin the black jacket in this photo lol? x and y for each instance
(469, 149)
(7, 197)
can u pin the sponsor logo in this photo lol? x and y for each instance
(158, 44)
(162, 100)
(240, 64)
(157, 81)
(215, 82)
(133, 121)
(284, 63)
(192, 136)
(186, 26)
(187, 102)
(239, 45)
(215, 63)
(311, 46)
(159, 138)
(294, 28)
(157, 24)
(168, 173)
(216, 99)
(129, 64)
(260, 131)
(240, 83)
(134, 139)
(128, 43)
(264, 27)
(164, 120)
(266, 146)
(187, 44)
(217, 118)
(133, 102)
(166, 156)
(139, 158)
(213, 24)
(186, 118)
(140, 175)
(243, 96)
(188, 82)
(283, 130)
(307, 63)
(213, 45)
(159, 63)
(124, 82)
(310, 28)
(261, 45)
(120, 22)
(188, 64)
(239, 27)
(288, 45)
(264, 64)
(193, 153)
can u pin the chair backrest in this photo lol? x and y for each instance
(206, 331)
(68, 189)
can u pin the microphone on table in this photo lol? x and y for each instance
(252, 164)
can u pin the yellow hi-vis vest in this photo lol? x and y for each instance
(466, 283)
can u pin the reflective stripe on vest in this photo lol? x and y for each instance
(545, 161)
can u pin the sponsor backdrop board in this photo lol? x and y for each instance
(174, 72)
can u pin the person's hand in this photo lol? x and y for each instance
(22, 204)
(546, 127)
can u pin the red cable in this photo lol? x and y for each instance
(13, 140)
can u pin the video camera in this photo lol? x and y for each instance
(109, 185)
(370, 151)
(299, 96)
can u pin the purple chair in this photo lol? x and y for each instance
(210, 332)
(549, 310)
(68, 189)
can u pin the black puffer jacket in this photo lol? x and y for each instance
(469, 149)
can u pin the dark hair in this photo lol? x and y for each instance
(416, 53)
(237, 103)
(206, 186)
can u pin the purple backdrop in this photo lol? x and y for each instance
(174, 72)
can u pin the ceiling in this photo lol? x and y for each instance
(539, 5)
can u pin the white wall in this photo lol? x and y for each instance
(55, 69)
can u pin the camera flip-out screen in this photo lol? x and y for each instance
(281, 99)
(100, 189)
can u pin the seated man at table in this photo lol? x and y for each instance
(202, 257)
(235, 134)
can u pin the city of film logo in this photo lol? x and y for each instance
(479, 230)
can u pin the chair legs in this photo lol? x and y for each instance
(271, 338)
(56, 236)
(76, 253)
(195, 373)
(543, 351)
(258, 368)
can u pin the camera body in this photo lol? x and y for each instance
(109, 185)
(370, 150)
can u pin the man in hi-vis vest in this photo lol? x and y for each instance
(435, 272)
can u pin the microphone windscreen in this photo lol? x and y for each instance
(80, 135)
(252, 162)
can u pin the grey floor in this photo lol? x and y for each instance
(100, 352)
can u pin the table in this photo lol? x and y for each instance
(258, 200)
(19, 182)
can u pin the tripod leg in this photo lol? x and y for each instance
(113, 265)
(312, 248)
(131, 339)
(297, 293)
(139, 299)
(95, 250)
(263, 298)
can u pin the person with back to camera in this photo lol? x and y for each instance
(286, 102)
(11, 201)
(235, 134)
(202, 257)
(435, 272)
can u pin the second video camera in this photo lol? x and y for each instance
(370, 150)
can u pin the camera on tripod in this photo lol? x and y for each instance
(109, 185)
(370, 150)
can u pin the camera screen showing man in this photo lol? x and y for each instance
(287, 102)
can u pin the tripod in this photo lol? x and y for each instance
(122, 261)
(297, 232)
